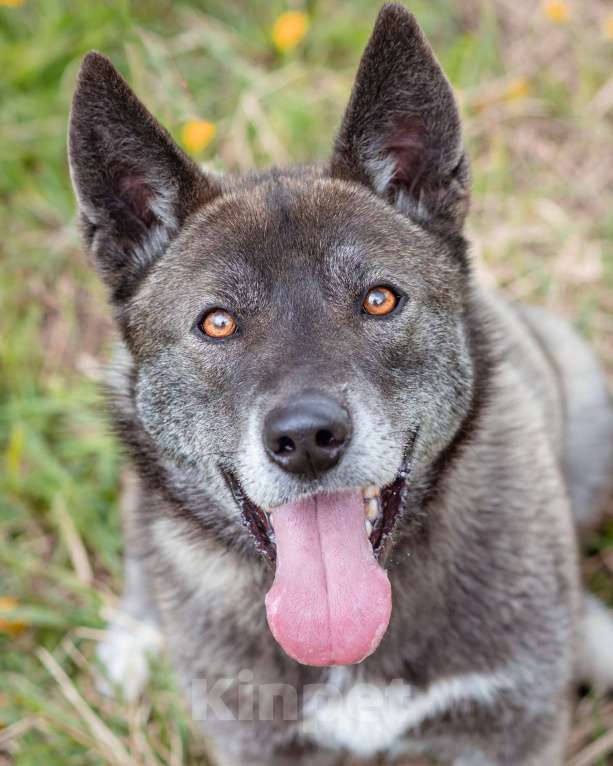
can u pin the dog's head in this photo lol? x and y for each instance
(297, 337)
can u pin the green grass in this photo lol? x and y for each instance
(537, 101)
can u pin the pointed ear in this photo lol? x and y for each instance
(135, 187)
(401, 132)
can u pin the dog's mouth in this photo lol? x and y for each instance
(330, 602)
(381, 507)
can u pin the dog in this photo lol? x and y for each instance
(359, 475)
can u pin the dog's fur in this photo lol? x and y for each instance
(506, 409)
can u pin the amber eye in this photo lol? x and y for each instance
(380, 301)
(218, 324)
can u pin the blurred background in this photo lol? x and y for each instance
(242, 84)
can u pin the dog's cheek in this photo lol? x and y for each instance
(443, 390)
(181, 414)
(425, 380)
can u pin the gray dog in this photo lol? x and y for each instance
(360, 474)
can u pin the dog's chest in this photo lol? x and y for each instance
(361, 717)
(368, 718)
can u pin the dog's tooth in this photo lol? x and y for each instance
(371, 508)
(368, 526)
(370, 491)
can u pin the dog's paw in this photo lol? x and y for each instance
(125, 654)
(595, 659)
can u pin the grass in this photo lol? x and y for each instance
(538, 102)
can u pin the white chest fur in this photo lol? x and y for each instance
(367, 718)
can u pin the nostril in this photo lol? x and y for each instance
(285, 446)
(326, 439)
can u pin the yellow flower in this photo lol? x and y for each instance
(608, 27)
(517, 89)
(11, 627)
(196, 135)
(289, 29)
(11, 3)
(557, 11)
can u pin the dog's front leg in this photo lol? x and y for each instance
(548, 735)
(319, 758)
(132, 636)
(315, 757)
(268, 747)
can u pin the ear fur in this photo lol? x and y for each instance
(135, 187)
(401, 132)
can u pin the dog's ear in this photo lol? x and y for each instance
(401, 132)
(135, 187)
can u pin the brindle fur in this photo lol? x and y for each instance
(510, 409)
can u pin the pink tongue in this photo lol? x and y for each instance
(330, 602)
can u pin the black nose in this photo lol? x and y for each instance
(308, 435)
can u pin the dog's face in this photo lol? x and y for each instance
(297, 337)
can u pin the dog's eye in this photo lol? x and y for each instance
(218, 323)
(379, 301)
